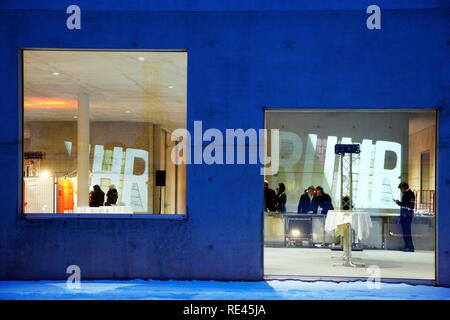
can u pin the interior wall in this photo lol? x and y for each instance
(422, 141)
(309, 169)
(50, 137)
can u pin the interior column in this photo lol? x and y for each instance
(83, 150)
(157, 145)
(151, 170)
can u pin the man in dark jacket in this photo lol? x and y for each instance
(270, 198)
(96, 197)
(308, 203)
(323, 201)
(406, 214)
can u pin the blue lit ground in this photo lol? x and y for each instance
(289, 289)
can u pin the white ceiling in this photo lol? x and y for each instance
(120, 85)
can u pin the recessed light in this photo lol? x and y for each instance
(75, 117)
(56, 73)
(141, 58)
(128, 111)
(170, 87)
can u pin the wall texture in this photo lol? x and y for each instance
(419, 142)
(242, 57)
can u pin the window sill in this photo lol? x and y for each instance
(39, 216)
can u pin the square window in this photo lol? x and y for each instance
(97, 127)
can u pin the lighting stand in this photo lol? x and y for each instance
(346, 153)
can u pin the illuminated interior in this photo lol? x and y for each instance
(396, 146)
(102, 118)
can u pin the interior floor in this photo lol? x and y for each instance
(320, 262)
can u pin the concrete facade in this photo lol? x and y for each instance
(243, 56)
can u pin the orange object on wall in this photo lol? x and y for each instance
(65, 195)
(23, 197)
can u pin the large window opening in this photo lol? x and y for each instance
(306, 237)
(97, 132)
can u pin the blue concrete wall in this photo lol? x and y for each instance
(242, 57)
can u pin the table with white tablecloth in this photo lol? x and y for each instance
(103, 210)
(359, 220)
(343, 222)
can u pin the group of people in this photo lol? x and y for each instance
(275, 200)
(314, 200)
(97, 196)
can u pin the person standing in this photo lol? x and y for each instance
(307, 202)
(406, 214)
(281, 198)
(111, 196)
(270, 198)
(323, 201)
(96, 197)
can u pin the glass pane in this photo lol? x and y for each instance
(97, 129)
(392, 225)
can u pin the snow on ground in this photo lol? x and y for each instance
(215, 290)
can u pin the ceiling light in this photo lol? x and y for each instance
(128, 111)
(141, 58)
(46, 103)
(75, 117)
(170, 87)
(56, 73)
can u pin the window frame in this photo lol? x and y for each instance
(21, 215)
(436, 110)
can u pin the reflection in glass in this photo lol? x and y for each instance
(396, 146)
(95, 122)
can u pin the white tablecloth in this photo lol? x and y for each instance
(103, 210)
(359, 221)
